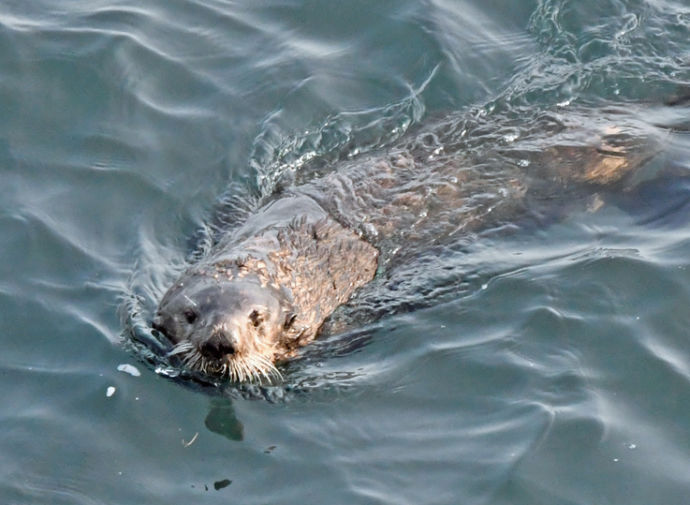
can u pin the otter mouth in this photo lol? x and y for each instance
(237, 367)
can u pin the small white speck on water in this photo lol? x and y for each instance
(187, 444)
(615, 460)
(632, 446)
(131, 370)
(523, 163)
(110, 391)
(511, 137)
(564, 103)
(485, 286)
(443, 326)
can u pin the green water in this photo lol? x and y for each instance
(546, 366)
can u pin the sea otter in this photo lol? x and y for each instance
(266, 288)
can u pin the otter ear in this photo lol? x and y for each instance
(289, 320)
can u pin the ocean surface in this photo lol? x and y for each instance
(548, 364)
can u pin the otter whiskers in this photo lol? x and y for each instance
(238, 368)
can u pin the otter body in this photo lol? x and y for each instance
(266, 288)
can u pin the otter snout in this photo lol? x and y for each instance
(218, 345)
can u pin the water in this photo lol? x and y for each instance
(545, 365)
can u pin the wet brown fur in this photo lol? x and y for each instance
(311, 248)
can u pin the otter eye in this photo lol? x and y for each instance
(255, 318)
(289, 320)
(190, 316)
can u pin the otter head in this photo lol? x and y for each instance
(223, 327)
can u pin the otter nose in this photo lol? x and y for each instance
(217, 346)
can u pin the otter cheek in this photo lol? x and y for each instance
(171, 329)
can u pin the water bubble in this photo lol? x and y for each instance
(370, 230)
(167, 371)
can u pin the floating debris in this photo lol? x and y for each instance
(187, 444)
(131, 370)
(221, 484)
